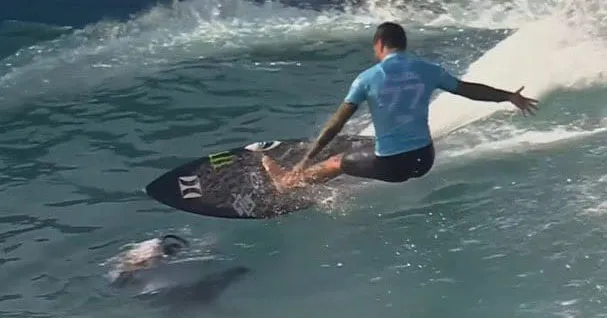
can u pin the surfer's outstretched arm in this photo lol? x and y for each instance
(482, 92)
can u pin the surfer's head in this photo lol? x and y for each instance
(172, 244)
(389, 37)
(149, 253)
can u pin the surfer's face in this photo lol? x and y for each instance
(376, 49)
(379, 50)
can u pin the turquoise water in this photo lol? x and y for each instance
(510, 223)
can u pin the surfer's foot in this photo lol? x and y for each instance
(282, 179)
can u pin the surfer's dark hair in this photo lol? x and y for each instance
(392, 35)
(172, 248)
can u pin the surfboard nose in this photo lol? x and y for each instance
(164, 189)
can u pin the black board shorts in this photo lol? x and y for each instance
(401, 167)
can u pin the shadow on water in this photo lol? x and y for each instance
(199, 295)
(181, 289)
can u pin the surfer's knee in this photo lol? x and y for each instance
(354, 157)
(417, 164)
(335, 161)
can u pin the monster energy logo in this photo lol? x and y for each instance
(221, 159)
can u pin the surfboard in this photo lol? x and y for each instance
(234, 184)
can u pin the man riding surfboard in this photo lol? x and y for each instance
(398, 90)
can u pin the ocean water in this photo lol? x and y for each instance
(94, 105)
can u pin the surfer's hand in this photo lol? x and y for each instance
(526, 105)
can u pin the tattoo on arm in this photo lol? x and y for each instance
(331, 129)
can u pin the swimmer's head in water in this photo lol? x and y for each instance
(172, 244)
(145, 255)
(149, 253)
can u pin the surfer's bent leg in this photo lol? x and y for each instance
(324, 171)
(361, 163)
(318, 173)
(401, 167)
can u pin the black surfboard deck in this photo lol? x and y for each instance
(234, 184)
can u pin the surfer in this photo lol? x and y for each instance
(398, 90)
(148, 254)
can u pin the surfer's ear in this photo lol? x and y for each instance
(172, 248)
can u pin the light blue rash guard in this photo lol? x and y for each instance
(398, 91)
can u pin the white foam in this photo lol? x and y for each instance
(588, 195)
(112, 50)
(524, 140)
(200, 28)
